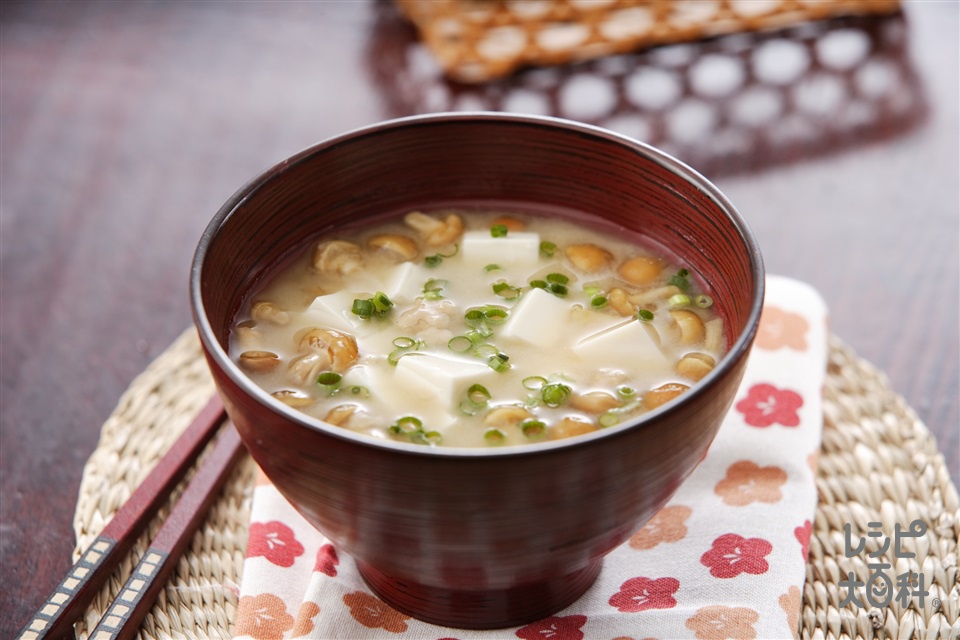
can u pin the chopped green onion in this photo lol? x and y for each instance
(478, 393)
(598, 302)
(492, 267)
(591, 290)
(459, 344)
(471, 408)
(547, 249)
(494, 436)
(505, 290)
(475, 400)
(433, 289)
(403, 346)
(406, 425)
(555, 394)
(476, 337)
(329, 379)
(608, 419)
(704, 301)
(437, 258)
(679, 300)
(680, 280)
(474, 314)
(499, 362)
(495, 315)
(552, 284)
(533, 383)
(363, 308)
(381, 301)
(557, 289)
(533, 428)
(626, 392)
(482, 332)
(377, 306)
(485, 350)
(645, 315)
(499, 231)
(357, 390)
(433, 437)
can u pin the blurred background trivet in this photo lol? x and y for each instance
(479, 40)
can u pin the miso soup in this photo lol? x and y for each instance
(479, 329)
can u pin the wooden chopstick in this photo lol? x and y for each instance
(123, 617)
(78, 587)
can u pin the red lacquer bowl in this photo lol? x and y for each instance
(477, 538)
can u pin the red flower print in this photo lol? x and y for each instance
(732, 555)
(803, 537)
(274, 541)
(640, 594)
(766, 405)
(554, 628)
(327, 560)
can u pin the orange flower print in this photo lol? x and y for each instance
(260, 478)
(304, 625)
(790, 602)
(373, 613)
(667, 526)
(812, 460)
(263, 617)
(746, 482)
(719, 623)
(779, 328)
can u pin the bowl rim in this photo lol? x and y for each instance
(672, 164)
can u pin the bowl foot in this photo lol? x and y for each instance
(478, 609)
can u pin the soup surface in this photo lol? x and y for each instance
(479, 329)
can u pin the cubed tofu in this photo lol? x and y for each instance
(517, 247)
(440, 379)
(629, 340)
(539, 318)
(402, 283)
(401, 395)
(334, 310)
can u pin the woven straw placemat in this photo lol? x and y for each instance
(878, 462)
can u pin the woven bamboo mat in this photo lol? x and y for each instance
(476, 41)
(878, 463)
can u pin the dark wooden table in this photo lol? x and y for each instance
(126, 125)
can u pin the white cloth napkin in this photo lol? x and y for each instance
(724, 559)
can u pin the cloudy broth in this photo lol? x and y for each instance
(479, 329)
